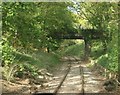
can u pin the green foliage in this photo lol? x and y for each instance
(9, 68)
(27, 65)
(96, 50)
(74, 50)
(38, 59)
(28, 27)
(102, 16)
(103, 60)
(33, 24)
(9, 71)
(113, 53)
(26, 70)
(7, 49)
(19, 23)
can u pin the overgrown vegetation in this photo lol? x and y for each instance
(25, 64)
(76, 49)
(29, 28)
(105, 20)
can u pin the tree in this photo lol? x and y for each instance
(33, 24)
(99, 16)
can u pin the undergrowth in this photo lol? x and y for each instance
(30, 63)
(74, 50)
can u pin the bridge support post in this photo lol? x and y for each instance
(87, 50)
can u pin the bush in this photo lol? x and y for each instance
(8, 60)
(7, 53)
(103, 60)
(26, 70)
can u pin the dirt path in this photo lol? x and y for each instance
(72, 83)
(52, 85)
(93, 83)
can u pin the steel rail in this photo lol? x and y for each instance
(82, 77)
(58, 87)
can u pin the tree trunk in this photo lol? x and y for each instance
(48, 49)
(87, 50)
(104, 46)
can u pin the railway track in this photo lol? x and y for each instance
(57, 89)
(70, 78)
(77, 80)
(81, 82)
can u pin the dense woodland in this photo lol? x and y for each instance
(30, 32)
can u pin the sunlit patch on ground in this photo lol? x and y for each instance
(73, 81)
(92, 84)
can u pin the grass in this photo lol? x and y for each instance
(38, 59)
(98, 54)
(74, 50)
(50, 60)
(96, 51)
